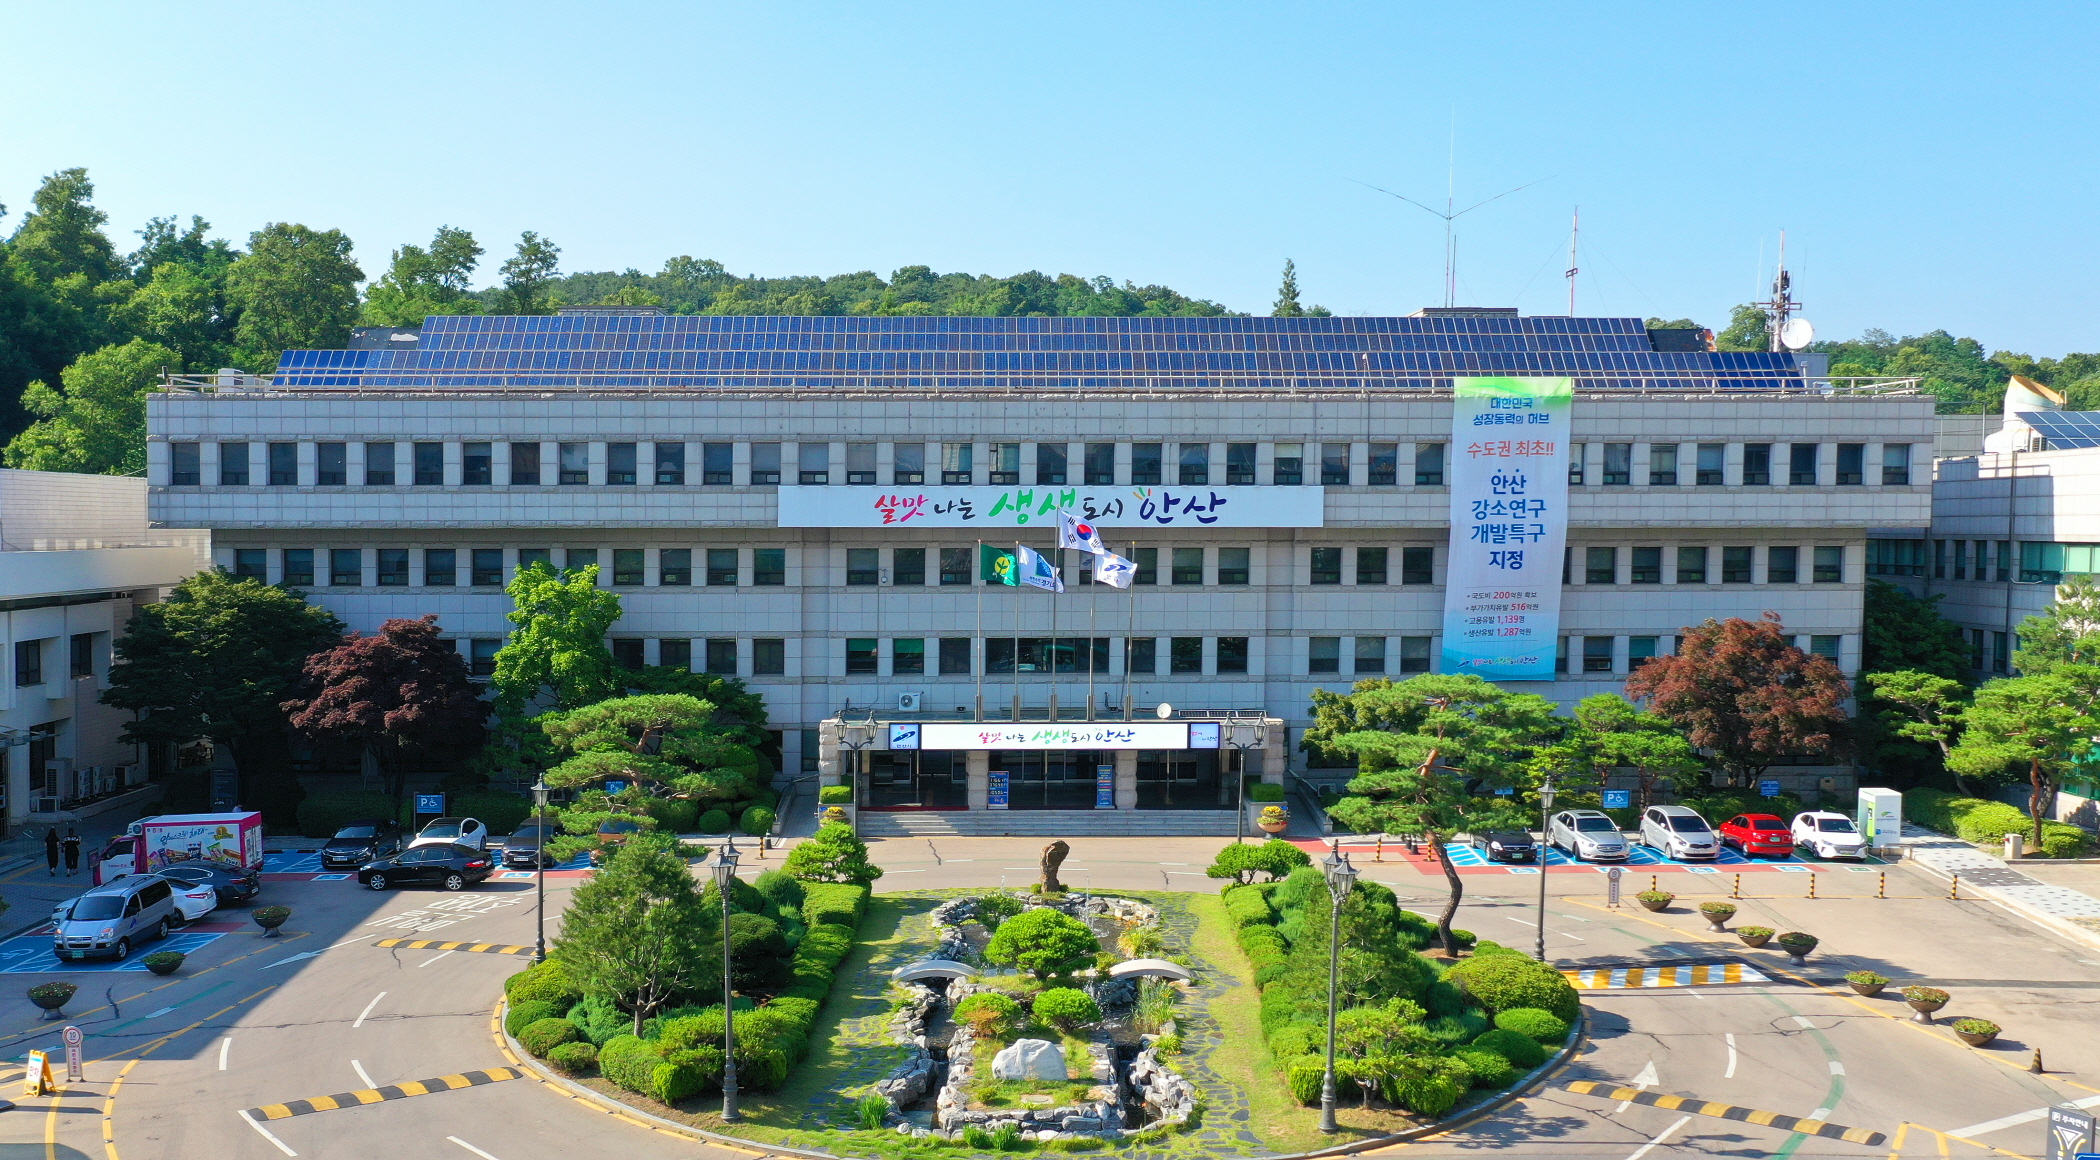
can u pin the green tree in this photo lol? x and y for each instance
(422, 282)
(39, 335)
(1241, 862)
(669, 740)
(1746, 331)
(1287, 294)
(1618, 735)
(1674, 324)
(1920, 708)
(2038, 725)
(2067, 633)
(557, 649)
(399, 691)
(737, 708)
(636, 931)
(833, 854)
(1043, 942)
(163, 241)
(97, 423)
(183, 308)
(295, 288)
(62, 236)
(528, 275)
(1741, 690)
(1377, 963)
(1903, 631)
(1423, 746)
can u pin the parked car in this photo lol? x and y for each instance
(193, 900)
(1758, 835)
(449, 866)
(1679, 833)
(1829, 835)
(525, 846)
(468, 832)
(233, 885)
(613, 834)
(108, 921)
(1505, 846)
(361, 841)
(1586, 835)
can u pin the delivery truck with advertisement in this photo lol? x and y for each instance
(231, 841)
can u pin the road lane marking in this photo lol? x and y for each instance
(470, 1148)
(1730, 1073)
(397, 1091)
(2017, 1118)
(268, 1135)
(359, 1068)
(1646, 1079)
(159, 1013)
(437, 956)
(368, 1010)
(293, 959)
(224, 1045)
(472, 948)
(1807, 1127)
(1665, 1134)
(1804, 1023)
(1836, 1068)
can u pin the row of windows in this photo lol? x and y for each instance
(1600, 565)
(383, 464)
(30, 666)
(1598, 654)
(2036, 562)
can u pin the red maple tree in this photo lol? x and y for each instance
(1741, 690)
(402, 689)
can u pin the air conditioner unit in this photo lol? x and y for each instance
(909, 702)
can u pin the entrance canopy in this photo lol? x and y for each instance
(932, 969)
(1156, 968)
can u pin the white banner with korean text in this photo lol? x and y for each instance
(1509, 526)
(1163, 506)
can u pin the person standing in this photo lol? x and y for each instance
(51, 850)
(72, 848)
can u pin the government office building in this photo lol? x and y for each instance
(801, 501)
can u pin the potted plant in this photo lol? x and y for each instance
(1654, 899)
(1754, 936)
(1976, 1032)
(1866, 982)
(163, 962)
(52, 997)
(1924, 1000)
(833, 814)
(1273, 819)
(269, 918)
(1797, 945)
(1717, 915)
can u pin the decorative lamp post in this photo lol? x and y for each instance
(1241, 739)
(539, 879)
(1341, 878)
(1545, 808)
(725, 874)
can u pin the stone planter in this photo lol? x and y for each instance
(269, 918)
(1977, 1038)
(1655, 904)
(1753, 940)
(1272, 818)
(1717, 916)
(1797, 951)
(1868, 989)
(164, 962)
(1924, 1008)
(52, 998)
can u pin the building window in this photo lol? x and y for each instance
(629, 565)
(83, 657)
(907, 655)
(1384, 469)
(1370, 565)
(182, 465)
(1005, 465)
(1662, 465)
(1961, 560)
(251, 564)
(393, 568)
(1852, 463)
(1829, 564)
(674, 567)
(524, 465)
(2004, 570)
(1145, 462)
(958, 463)
(1141, 655)
(1324, 655)
(1601, 566)
(908, 566)
(955, 566)
(1414, 654)
(1101, 464)
(1735, 565)
(721, 656)
(768, 656)
(1713, 459)
(1232, 654)
(765, 464)
(1827, 647)
(1185, 654)
(1232, 565)
(627, 653)
(1147, 561)
(1782, 565)
(1288, 470)
(488, 567)
(1801, 464)
(477, 463)
(722, 567)
(544, 557)
(1239, 463)
(346, 567)
(233, 465)
(284, 465)
(1647, 565)
(860, 464)
(575, 560)
(298, 567)
(1560, 655)
(863, 566)
(670, 464)
(812, 463)
(1050, 463)
(1327, 565)
(718, 464)
(1895, 464)
(1370, 655)
(1188, 565)
(1618, 464)
(1578, 455)
(440, 567)
(430, 464)
(620, 464)
(2001, 653)
(1903, 558)
(1334, 464)
(768, 567)
(574, 463)
(1417, 565)
(860, 655)
(379, 465)
(29, 662)
(1193, 464)
(1976, 648)
(677, 654)
(481, 656)
(1691, 565)
(1640, 650)
(909, 465)
(955, 656)
(1596, 654)
(1757, 463)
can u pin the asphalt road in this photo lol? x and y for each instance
(251, 1022)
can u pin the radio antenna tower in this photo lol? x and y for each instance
(1574, 235)
(1783, 331)
(1450, 213)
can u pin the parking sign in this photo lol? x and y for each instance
(1618, 799)
(430, 803)
(1768, 788)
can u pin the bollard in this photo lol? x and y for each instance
(1883, 890)
(1380, 855)
(2036, 1065)
(1954, 888)
(1811, 884)
(1738, 891)
(1654, 882)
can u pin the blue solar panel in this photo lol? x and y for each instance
(2065, 430)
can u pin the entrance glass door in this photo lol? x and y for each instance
(1182, 779)
(1048, 779)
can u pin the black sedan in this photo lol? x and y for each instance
(361, 841)
(526, 847)
(448, 866)
(233, 884)
(1506, 846)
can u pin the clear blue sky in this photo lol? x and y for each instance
(1932, 163)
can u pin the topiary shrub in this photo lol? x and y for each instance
(780, 888)
(1066, 1008)
(1264, 792)
(1452, 1030)
(1519, 1049)
(1295, 1039)
(629, 1063)
(990, 1012)
(839, 904)
(685, 1074)
(995, 907)
(1306, 1075)
(756, 821)
(1544, 1026)
(1490, 1068)
(548, 981)
(1432, 1086)
(835, 795)
(523, 1015)
(1248, 906)
(544, 1035)
(714, 822)
(1501, 982)
(574, 1058)
(1043, 942)
(597, 1019)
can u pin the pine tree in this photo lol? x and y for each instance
(1287, 295)
(638, 932)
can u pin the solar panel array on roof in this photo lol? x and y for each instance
(2065, 430)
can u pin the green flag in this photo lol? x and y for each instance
(996, 565)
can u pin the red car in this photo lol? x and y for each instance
(1758, 835)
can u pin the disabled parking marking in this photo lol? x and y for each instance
(31, 954)
(291, 864)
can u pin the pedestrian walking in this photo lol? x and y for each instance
(72, 848)
(51, 850)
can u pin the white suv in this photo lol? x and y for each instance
(1829, 835)
(1586, 835)
(1679, 833)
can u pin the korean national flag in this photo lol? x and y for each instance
(1037, 571)
(1114, 570)
(1073, 532)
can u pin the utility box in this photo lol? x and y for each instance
(1880, 817)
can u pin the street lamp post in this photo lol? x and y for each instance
(725, 875)
(539, 879)
(1341, 878)
(1545, 808)
(1238, 738)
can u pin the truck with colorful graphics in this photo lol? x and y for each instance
(232, 841)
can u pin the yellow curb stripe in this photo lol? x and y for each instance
(1727, 1112)
(390, 1092)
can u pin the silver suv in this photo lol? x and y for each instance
(1679, 833)
(108, 921)
(1586, 835)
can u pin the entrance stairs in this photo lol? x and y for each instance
(1049, 823)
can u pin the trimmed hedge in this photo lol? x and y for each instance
(573, 1058)
(1265, 792)
(1519, 1049)
(1247, 906)
(1987, 822)
(544, 1035)
(548, 981)
(837, 903)
(1501, 982)
(1066, 1007)
(835, 795)
(714, 822)
(523, 1015)
(630, 1063)
(1489, 1067)
(1436, 1088)
(1544, 1026)
(756, 821)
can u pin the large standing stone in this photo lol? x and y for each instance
(1030, 1059)
(1053, 857)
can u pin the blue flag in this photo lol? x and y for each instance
(1035, 570)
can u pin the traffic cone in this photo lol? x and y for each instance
(2036, 1065)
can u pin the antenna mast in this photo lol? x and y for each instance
(1781, 306)
(1574, 236)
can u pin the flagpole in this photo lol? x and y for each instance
(1128, 630)
(1091, 609)
(977, 565)
(1057, 572)
(1017, 632)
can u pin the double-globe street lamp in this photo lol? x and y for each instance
(1240, 738)
(725, 875)
(539, 877)
(1545, 821)
(1341, 878)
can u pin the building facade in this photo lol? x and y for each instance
(802, 502)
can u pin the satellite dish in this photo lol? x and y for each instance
(1164, 711)
(1797, 334)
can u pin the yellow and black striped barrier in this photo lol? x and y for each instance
(472, 948)
(398, 1091)
(1728, 1112)
(1639, 978)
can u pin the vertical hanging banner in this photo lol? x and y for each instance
(1509, 526)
